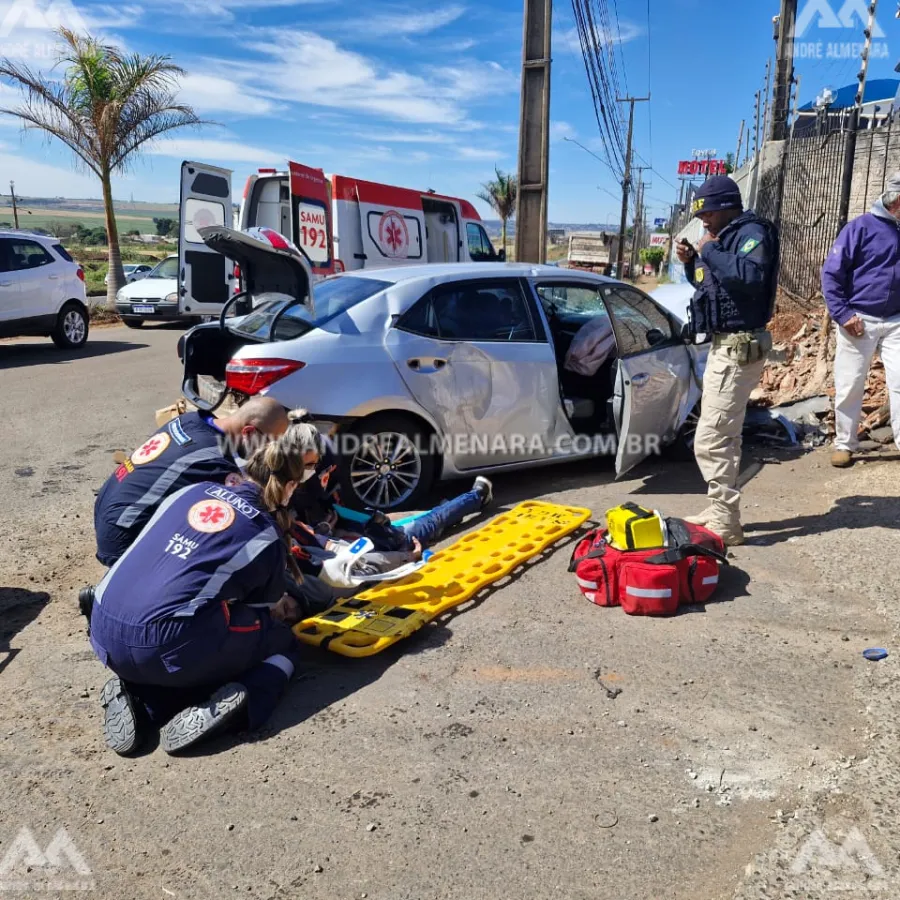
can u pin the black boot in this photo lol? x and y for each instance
(86, 603)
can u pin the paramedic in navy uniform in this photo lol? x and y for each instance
(194, 447)
(193, 618)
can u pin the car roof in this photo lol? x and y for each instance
(31, 235)
(455, 271)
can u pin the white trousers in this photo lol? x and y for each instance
(851, 366)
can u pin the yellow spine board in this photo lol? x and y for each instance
(381, 616)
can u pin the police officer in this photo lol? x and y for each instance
(734, 269)
(194, 616)
(192, 448)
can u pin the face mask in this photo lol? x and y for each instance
(307, 474)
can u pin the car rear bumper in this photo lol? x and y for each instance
(163, 312)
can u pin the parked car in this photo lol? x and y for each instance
(42, 290)
(133, 272)
(445, 370)
(155, 296)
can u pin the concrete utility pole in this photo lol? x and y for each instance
(534, 134)
(626, 182)
(636, 236)
(853, 123)
(737, 156)
(768, 106)
(784, 68)
(12, 191)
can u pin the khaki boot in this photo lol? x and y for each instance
(732, 534)
(842, 459)
(703, 518)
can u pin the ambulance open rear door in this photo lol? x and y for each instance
(205, 278)
(311, 217)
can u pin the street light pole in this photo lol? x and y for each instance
(12, 191)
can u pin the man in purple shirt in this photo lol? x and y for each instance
(861, 284)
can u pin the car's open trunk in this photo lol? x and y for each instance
(205, 352)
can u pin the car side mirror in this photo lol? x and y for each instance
(655, 337)
(501, 255)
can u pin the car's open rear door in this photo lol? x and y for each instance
(311, 217)
(205, 277)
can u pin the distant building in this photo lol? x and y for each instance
(830, 110)
(556, 235)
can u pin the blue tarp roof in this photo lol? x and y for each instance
(877, 89)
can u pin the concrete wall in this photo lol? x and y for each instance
(877, 158)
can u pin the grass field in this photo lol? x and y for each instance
(44, 218)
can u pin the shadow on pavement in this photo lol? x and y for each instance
(847, 513)
(18, 608)
(14, 356)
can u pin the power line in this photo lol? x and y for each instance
(621, 43)
(649, 79)
(656, 172)
(598, 158)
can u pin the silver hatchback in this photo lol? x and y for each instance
(440, 371)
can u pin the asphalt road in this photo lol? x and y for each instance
(483, 758)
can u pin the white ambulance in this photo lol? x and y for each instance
(340, 223)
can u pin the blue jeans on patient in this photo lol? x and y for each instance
(432, 525)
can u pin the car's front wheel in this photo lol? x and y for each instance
(387, 464)
(132, 322)
(682, 448)
(71, 327)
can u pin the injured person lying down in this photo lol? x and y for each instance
(383, 551)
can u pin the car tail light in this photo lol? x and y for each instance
(237, 278)
(80, 273)
(267, 171)
(250, 376)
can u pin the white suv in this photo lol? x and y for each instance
(41, 290)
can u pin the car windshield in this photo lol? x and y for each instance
(332, 296)
(168, 268)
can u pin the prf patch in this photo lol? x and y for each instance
(750, 245)
(699, 276)
(699, 204)
(210, 516)
(151, 449)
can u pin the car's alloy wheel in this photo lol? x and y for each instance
(71, 327)
(386, 470)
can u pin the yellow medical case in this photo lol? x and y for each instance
(631, 527)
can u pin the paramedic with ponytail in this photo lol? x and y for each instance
(193, 619)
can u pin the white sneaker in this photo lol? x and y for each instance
(485, 488)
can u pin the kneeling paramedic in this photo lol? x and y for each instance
(734, 269)
(193, 619)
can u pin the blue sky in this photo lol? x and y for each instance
(427, 94)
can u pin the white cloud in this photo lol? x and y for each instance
(403, 137)
(215, 150)
(40, 179)
(476, 153)
(304, 67)
(212, 93)
(559, 131)
(405, 22)
(567, 38)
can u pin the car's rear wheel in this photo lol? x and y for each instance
(388, 464)
(71, 326)
(132, 322)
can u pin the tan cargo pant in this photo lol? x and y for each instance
(718, 442)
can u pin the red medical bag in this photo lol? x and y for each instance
(650, 582)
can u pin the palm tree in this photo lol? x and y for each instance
(501, 195)
(107, 106)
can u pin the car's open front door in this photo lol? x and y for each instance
(654, 377)
(311, 219)
(205, 278)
